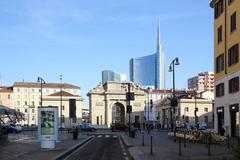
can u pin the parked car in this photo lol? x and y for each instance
(86, 127)
(118, 126)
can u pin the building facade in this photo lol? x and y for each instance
(107, 104)
(26, 97)
(227, 65)
(69, 101)
(185, 111)
(6, 96)
(149, 71)
(202, 82)
(108, 75)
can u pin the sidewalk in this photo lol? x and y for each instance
(27, 147)
(166, 149)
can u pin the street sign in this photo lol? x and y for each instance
(129, 109)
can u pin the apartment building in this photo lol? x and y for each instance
(6, 96)
(226, 64)
(202, 82)
(26, 98)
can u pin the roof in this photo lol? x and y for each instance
(64, 94)
(46, 85)
(6, 89)
(212, 3)
(170, 91)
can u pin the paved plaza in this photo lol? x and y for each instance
(165, 148)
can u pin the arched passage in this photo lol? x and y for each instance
(118, 113)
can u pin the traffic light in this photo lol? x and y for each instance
(129, 109)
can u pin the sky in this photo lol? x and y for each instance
(79, 38)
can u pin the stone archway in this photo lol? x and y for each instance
(118, 113)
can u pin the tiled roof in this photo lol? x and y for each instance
(6, 89)
(46, 85)
(64, 94)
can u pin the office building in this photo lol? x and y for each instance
(108, 75)
(227, 65)
(149, 71)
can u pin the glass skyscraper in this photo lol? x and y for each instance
(149, 70)
(108, 75)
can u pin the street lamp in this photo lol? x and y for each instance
(40, 80)
(61, 119)
(195, 110)
(174, 99)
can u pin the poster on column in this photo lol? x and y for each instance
(48, 126)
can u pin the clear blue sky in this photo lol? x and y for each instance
(79, 38)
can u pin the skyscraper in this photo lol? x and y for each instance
(108, 75)
(149, 70)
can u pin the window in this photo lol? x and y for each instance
(9, 96)
(97, 120)
(234, 85)
(39, 90)
(218, 8)
(196, 109)
(206, 109)
(18, 103)
(33, 90)
(63, 107)
(220, 90)
(230, 1)
(233, 55)
(33, 103)
(220, 34)
(25, 110)
(186, 109)
(220, 63)
(233, 22)
(25, 102)
(33, 118)
(32, 110)
(18, 90)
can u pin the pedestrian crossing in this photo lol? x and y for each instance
(105, 136)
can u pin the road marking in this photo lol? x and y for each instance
(126, 158)
(114, 136)
(107, 136)
(124, 153)
(99, 136)
(21, 139)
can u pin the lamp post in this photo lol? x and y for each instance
(129, 97)
(41, 82)
(148, 111)
(174, 100)
(195, 110)
(61, 119)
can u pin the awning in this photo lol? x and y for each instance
(11, 112)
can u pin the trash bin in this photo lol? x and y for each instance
(75, 133)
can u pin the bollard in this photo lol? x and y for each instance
(184, 140)
(209, 145)
(180, 149)
(228, 142)
(151, 149)
(143, 139)
(206, 140)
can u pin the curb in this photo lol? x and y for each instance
(121, 138)
(72, 149)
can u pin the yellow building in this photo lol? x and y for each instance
(226, 65)
(6, 96)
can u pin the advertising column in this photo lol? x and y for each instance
(48, 126)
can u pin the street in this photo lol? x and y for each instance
(101, 147)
